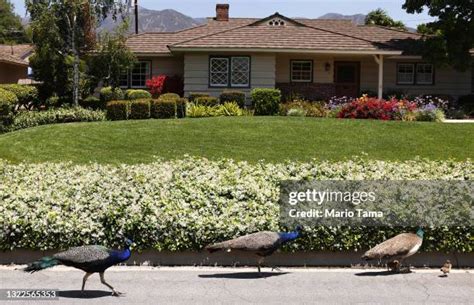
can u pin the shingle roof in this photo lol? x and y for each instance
(300, 34)
(16, 54)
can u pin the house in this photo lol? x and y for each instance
(309, 57)
(14, 63)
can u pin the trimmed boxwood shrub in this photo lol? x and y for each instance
(169, 96)
(92, 102)
(118, 110)
(26, 94)
(108, 94)
(169, 108)
(206, 101)
(195, 95)
(140, 109)
(466, 104)
(133, 94)
(266, 101)
(233, 96)
(163, 109)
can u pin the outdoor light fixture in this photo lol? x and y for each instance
(327, 66)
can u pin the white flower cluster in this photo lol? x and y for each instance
(168, 205)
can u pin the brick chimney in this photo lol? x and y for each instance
(222, 12)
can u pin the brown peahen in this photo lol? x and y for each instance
(446, 268)
(90, 259)
(262, 244)
(396, 248)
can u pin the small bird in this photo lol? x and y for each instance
(90, 259)
(446, 268)
(393, 266)
(396, 248)
(262, 244)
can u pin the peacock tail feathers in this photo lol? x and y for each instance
(41, 264)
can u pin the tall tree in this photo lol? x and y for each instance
(73, 22)
(11, 29)
(381, 17)
(451, 36)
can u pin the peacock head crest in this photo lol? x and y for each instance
(299, 229)
(128, 242)
(420, 232)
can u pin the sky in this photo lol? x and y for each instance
(290, 8)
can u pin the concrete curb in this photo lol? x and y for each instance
(298, 259)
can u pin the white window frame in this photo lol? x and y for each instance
(232, 72)
(147, 74)
(418, 82)
(221, 85)
(292, 71)
(412, 82)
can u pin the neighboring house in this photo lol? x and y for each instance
(310, 57)
(14, 63)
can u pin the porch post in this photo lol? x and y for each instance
(379, 61)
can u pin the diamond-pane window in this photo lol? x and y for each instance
(219, 72)
(240, 72)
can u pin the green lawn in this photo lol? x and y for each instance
(245, 138)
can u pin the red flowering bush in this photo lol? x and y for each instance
(373, 108)
(156, 85)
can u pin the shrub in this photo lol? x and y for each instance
(58, 205)
(233, 96)
(228, 109)
(372, 108)
(26, 94)
(169, 96)
(181, 105)
(8, 100)
(174, 84)
(27, 119)
(395, 94)
(108, 94)
(137, 94)
(163, 109)
(156, 85)
(92, 102)
(441, 102)
(310, 109)
(266, 101)
(429, 113)
(206, 101)
(140, 109)
(466, 104)
(118, 110)
(195, 95)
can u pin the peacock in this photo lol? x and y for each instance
(262, 244)
(91, 259)
(396, 248)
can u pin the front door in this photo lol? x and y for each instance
(347, 78)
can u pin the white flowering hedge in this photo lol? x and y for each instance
(186, 204)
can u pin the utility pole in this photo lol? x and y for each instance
(136, 16)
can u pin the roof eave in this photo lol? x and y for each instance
(15, 63)
(285, 50)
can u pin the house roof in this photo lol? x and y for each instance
(311, 35)
(15, 54)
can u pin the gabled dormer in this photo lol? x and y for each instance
(277, 20)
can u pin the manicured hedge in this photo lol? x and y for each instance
(118, 110)
(206, 101)
(169, 107)
(189, 203)
(27, 119)
(133, 94)
(195, 95)
(233, 96)
(169, 96)
(8, 100)
(266, 101)
(140, 109)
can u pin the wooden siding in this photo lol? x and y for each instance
(169, 66)
(196, 73)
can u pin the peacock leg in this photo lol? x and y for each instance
(84, 280)
(260, 261)
(114, 292)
